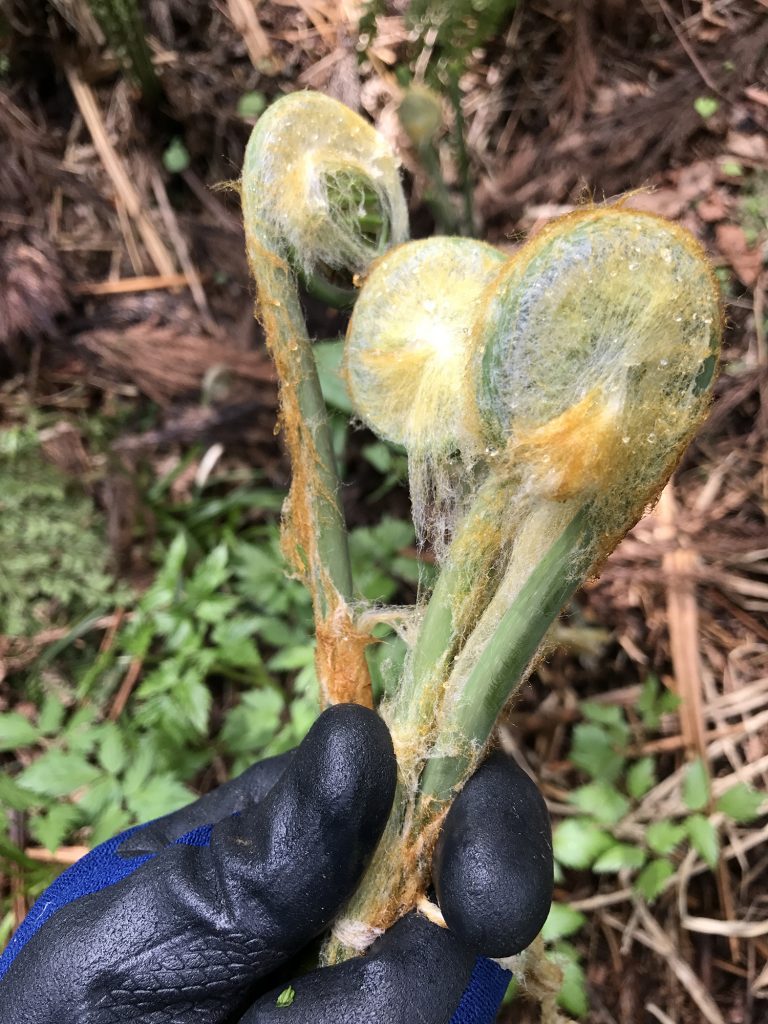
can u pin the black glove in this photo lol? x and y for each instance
(187, 922)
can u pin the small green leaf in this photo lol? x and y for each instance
(216, 609)
(577, 842)
(602, 801)
(291, 658)
(209, 574)
(275, 632)
(329, 356)
(704, 838)
(741, 802)
(253, 723)
(112, 749)
(594, 751)
(668, 702)
(731, 168)
(706, 106)
(162, 794)
(173, 565)
(14, 796)
(57, 774)
(176, 157)
(653, 878)
(234, 640)
(81, 732)
(663, 836)
(251, 104)
(51, 828)
(16, 731)
(104, 793)
(286, 997)
(51, 716)
(303, 714)
(605, 714)
(372, 550)
(379, 455)
(618, 856)
(573, 991)
(113, 820)
(139, 769)
(7, 928)
(561, 922)
(655, 700)
(696, 785)
(641, 777)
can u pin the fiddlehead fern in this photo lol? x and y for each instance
(591, 365)
(594, 360)
(321, 190)
(406, 356)
(321, 196)
(544, 401)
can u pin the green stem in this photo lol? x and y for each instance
(331, 294)
(454, 91)
(304, 412)
(503, 662)
(399, 869)
(433, 645)
(122, 24)
(314, 532)
(458, 599)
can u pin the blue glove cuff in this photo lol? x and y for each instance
(482, 997)
(100, 868)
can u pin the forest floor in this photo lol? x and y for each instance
(125, 300)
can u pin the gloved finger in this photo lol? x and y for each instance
(227, 799)
(493, 867)
(416, 972)
(302, 850)
(188, 933)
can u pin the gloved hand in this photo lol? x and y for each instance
(201, 917)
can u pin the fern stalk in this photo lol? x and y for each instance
(320, 209)
(122, 24)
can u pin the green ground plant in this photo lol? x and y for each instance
(122, 24)
(595, 839)
(55, 555)
(221, 644)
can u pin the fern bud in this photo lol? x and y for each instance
(321, 188)
(407, 344)
(407, 354)
(595, 352)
